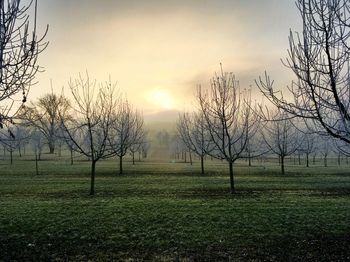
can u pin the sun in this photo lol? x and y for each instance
(161, 99)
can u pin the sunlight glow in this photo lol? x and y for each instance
(161, 99)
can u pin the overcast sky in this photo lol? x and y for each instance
(158, 51)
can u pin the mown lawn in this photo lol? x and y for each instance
(167, 211)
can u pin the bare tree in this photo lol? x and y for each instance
(325, 149)
(194, 134)
(140, 140)
(319, 57)
(63, 136)
(20, 47)
(45, 116)
(126, 131)
(342, 148)
(281, 136)
(71, 148)
(9, 143)
(37, 142)
(89, 130)
(177, 147)
(145, 147)
(229, 118)
(308, 146)
(13, 139)
(22, 136)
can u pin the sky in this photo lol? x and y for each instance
(158, 51)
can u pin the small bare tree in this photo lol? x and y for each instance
(20, 47)
(139, 142)
(281, 136)
(229, 118)
(325, 148)
(22, 136)
(319, 57)
(37, 142)
(144, 149)
(89, 130)
(9, 143)
(342, 147)
(14, 139)
(63, 136)
(45, 116)
(194, 134)
(309, 146)
(126, 131)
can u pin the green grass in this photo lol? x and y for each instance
(163, 211)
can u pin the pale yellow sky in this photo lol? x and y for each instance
(158, 51)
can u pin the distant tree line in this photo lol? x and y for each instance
(228, 127)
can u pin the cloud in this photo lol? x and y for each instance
(165, 44)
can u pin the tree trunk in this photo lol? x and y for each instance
(249, 160)
(232, 182)
(36, 164)
(71, 157)
(133, 158)
(92, 185)
(307, 159)
(120, 165)
(11, 157)
(19, 151)
(190, 155)
(299, 159)
(202, 165)
(51, 148)
(325, 161)
(60, 151)
(338, 159)
(282, 165)
(314, 159)
(139, 156)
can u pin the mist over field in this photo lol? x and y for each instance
(174, 130)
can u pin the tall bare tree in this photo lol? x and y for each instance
(229, 117)
(319, 57)
(45, 115)
(20, 47)
(89, 129)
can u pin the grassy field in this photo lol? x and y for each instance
(166, 211)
